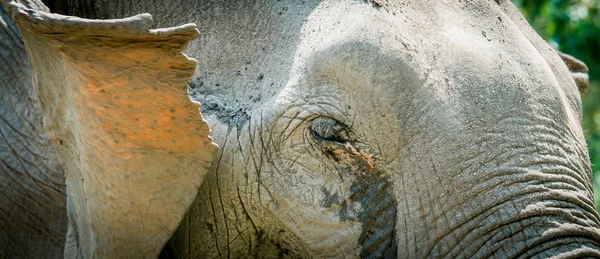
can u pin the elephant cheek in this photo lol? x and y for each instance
(359, 221)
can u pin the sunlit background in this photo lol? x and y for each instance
(573, 27)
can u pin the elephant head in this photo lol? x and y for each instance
(345, 129)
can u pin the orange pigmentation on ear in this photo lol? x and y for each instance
(134, 147)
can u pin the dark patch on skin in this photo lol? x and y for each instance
(282, 251)
(347, 212)
(267, 247)
(371, 188)
(378, 215)
(330, 154)
(330, 199)
(198, 84)
(230, 113)
(376, 3)
(234, 117)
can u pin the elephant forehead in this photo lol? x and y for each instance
(439, 69)
(354, 41)
(418, 27)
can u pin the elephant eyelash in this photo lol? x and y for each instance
(325, 129)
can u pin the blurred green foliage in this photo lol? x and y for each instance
(573, 27)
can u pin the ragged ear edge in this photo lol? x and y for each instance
(135, 149)
(555, 59)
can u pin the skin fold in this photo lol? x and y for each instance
(33, 213)
(349, 129)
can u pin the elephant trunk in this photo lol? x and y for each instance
(511, 195)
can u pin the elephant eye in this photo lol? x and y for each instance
(328, 129)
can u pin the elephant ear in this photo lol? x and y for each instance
(576, 72)
(134, 148)
(33, 213)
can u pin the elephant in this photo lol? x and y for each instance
(33, 209)
(295, 129)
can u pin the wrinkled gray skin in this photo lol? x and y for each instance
(418, 129)
(33, 215)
